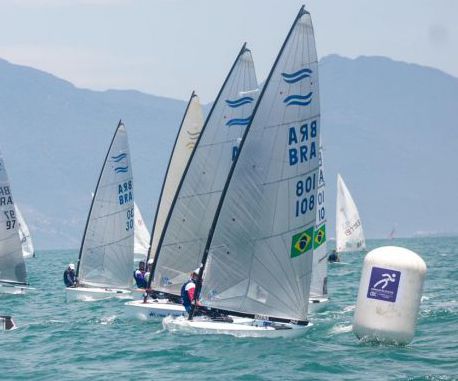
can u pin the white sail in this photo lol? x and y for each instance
(12, 265)
(141, 235)
(318, 285)
(186, 231)
(349, 231)
(185, 142)
(28, 250)
(259, 259)
(107, 250)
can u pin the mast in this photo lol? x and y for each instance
(93, 198)
(301, 12)
(180, 185)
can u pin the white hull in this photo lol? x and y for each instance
(154, 309)
(317, 304)
(86, 294)
(241, 327)
(13, 290)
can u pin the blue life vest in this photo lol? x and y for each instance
(140, 279)
(69, 278)
(184, 295)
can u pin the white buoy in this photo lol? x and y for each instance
(389, 295)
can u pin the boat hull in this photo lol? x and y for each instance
(317, 304)
(88, 294)
(155, 309)
(240, 327)
(13, 290)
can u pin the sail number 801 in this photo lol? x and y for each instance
(305, 202)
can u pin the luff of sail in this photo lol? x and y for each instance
(28, 250)
(186, 140)
(141, 235)
(186, 231)
(258, 258)
(12, 265)
(107, 249)
(318, 285)
(349, 230)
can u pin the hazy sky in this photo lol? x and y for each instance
(170, 47)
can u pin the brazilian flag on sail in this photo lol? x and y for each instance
(319, 236)
(301, 242)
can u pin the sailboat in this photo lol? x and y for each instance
(319, 284)
(106, 255)
(349, 230)
(257, 259)
(141, 236)
(28, 250)
(13, 274)
(185, 229)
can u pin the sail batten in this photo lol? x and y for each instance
(182, 243)
(267, 210)
(349, 230)
(107, 248)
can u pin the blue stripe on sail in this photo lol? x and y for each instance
(121, 169)
(297, 76)
(239, 122)
(298, 100)
(119, 157)
(239, 102)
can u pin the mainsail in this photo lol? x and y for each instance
(186, 139)
(318, 286)
(107, 249)
(141, 235)
(24, 235)
(349, 231)
(186, 230)
(12, 265)
(258, 258)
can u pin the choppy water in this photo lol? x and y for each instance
(97, 341)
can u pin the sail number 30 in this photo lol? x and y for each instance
(130, 219)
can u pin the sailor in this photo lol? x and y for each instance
(188, 290)
(149, 268)
(139, 275)
(70, 276)
(333, 257)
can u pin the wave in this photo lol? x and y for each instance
(121, 169)
(239, 102)
(298, 100)
(118, 158)
(239, 121)
(296, 76)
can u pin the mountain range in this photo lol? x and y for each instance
(389, 128)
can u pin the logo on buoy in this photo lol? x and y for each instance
(383, 284)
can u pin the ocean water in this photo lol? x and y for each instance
(98, 341)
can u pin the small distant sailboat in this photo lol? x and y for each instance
(141, 236)
(349, 230)
(6, 323)
(257, 259)
(107, 250)
(28, 250)
(319, 285)
(13, 273)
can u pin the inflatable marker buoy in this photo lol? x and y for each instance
(389, 295)
(6, 323)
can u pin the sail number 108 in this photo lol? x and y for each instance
(305, 202)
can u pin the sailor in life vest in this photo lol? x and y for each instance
(139, 275)
(188, 289)
(149, 268)
(70, 276)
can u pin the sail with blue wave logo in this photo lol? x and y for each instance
(258, 257)
(107, 250)
(186, 139)
(12, 265)
(186, 230)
